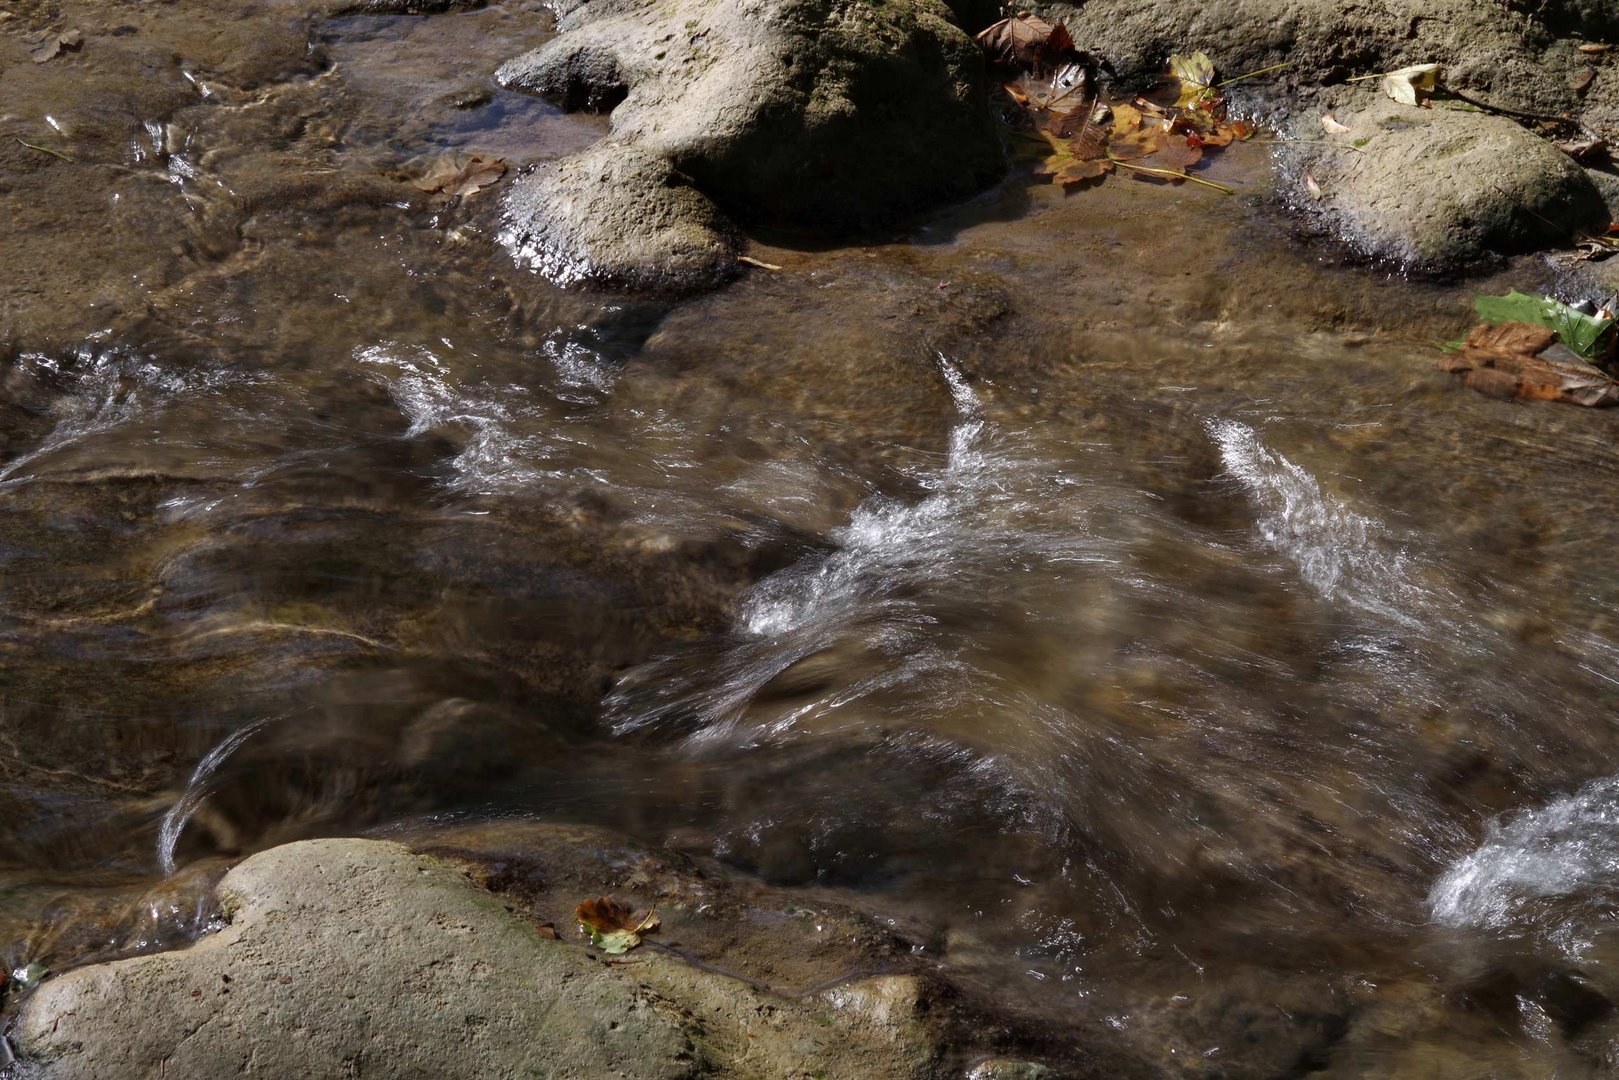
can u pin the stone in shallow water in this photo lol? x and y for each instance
(357, 957)
(351, 956)
(618, 216)
(1436, 189)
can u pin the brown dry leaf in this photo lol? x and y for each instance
(1593, 49)
(1593, 250)
(1026, 40)
(612, 925)
(1584, 150)
(548, 932)
(1504, 361)
(1312, 187)
(1126, 118)
(1079, 172)
(1175, 153)
(1090, 144)
(1580, 81)
(1512, 337)
(1136, 145)
(1330, 123)
(51, 45)
(462, 177)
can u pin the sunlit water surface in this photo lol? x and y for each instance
(1197, 682)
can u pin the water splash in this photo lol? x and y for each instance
(1344, 555)
(1568, 848)
(990, 512)
(502, 450)
(198, 788)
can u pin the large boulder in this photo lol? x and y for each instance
(358, 957)
(829, 115)
(1439, 189)
(1510, 55)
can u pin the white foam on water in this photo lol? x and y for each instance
(992, 512)
(1344, 555)
(102, 390)
(501, 451)
(197, 790)
(1566, 848)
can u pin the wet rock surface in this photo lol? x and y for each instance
(825, 115)
(618, 216)
(397, 965)
(1437, 189)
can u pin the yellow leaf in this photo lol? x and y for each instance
(1196, 75)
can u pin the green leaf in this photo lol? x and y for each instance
(615, 942)
(29, 977)
(1582, 334)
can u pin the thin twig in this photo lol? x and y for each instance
(47, 150)
(1171, 174)
(1516, 114)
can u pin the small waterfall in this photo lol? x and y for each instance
(198, 788)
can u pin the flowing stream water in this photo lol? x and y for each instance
(1069, 574)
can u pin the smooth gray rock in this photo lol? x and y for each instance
(823, 115)
(1438, 189)
(360, 958)
(618, 216)
(832, 114)
(348, 958)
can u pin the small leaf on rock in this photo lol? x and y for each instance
(1312, 187)
(612, 926)
(1412, 85)
(1330, 123)
(1593, 49)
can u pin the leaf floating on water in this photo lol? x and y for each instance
(1412, 85)
(1196, 75)
(461, 178)
(51, 45)
(1079, 139)
(612, 926)
(1505, 361)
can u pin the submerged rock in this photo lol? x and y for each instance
(1438, 189)
(345, 957)
(829, 115)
